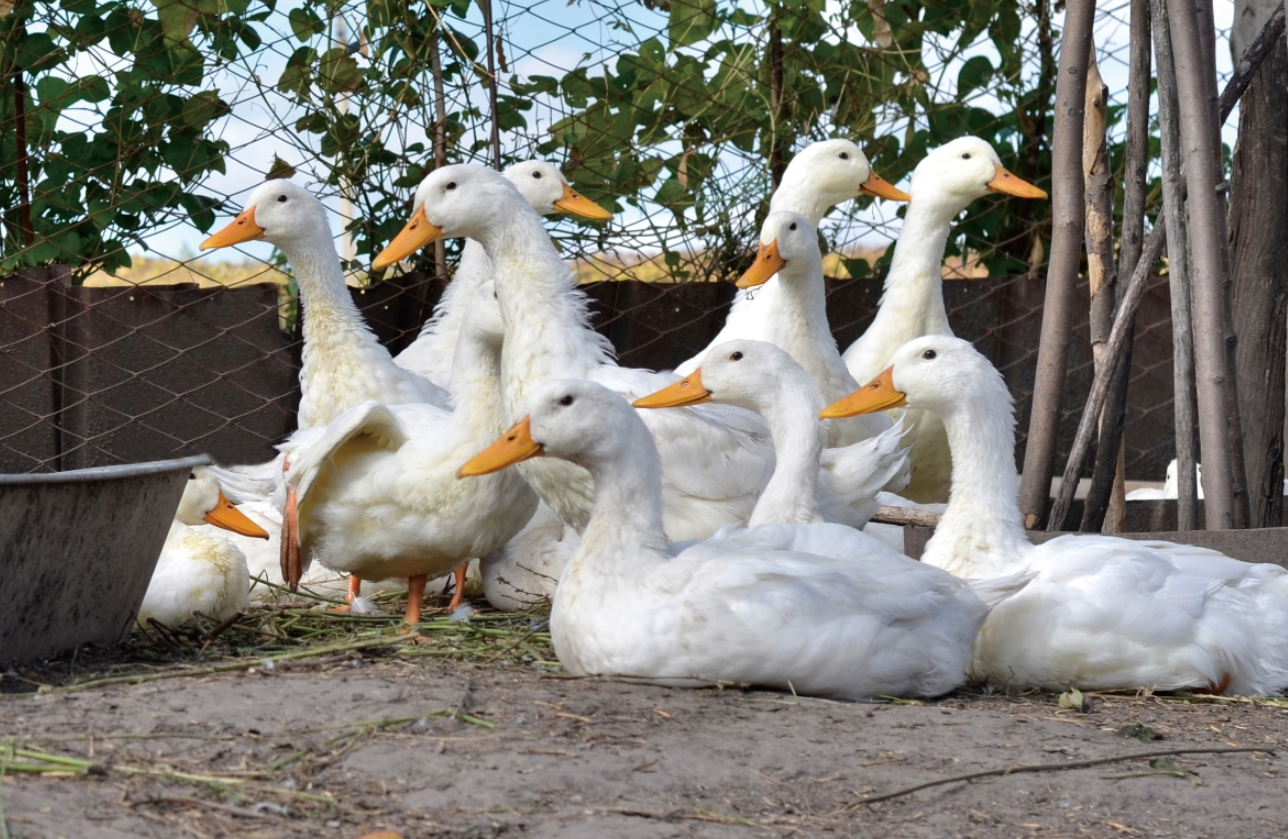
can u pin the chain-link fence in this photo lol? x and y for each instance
(130, 130)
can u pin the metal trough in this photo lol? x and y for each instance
(77, 550)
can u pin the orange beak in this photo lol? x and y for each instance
(415, 235)
(579, 205)
(875, 185)
(228, 517)
(515, 446)
(877, 395)
(767, 264)
(687, 391)
(241, 229)
(1006, 183)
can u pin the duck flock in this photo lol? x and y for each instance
(709, 524)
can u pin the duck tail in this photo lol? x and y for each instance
(994, 591)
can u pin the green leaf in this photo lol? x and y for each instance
(975, 73)
(691, 21)
(338, 72)
(280, 170)
(305, 24)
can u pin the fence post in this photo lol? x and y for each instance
(1107, 480)
(490, 35)
(776, 162)
(1259, 254)
(440, 143)
(1178, 274)
(1208, 258)
(1066, 252)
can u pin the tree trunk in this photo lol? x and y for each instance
(1259, 256)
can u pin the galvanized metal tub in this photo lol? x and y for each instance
(77, 550)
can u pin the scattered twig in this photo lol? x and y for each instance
(1050, 767)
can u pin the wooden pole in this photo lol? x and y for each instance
(1259, 269)
(1102, 274)
(20, 131)
(1105, 507)
(1066, 252)
(1178, 275)
(776, 163)
(440, 144)
(1208, 259)
(490, 35)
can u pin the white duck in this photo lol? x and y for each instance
(344, 365)
(943, 184)
(717, 459)
(761, 377)
(823, 175)
(789, 251)
(549, 192)
(1103, 613)
(198, 571)
(771, 605)
(376, 494)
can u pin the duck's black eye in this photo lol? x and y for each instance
(536, 174)
(736, 355)
(793, 227)
(451, 184)
(282, 199)
(845, 155)
(966, 156)
(567, 400)
(929, 355)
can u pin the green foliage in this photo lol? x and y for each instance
(134, 143)
(691, 89)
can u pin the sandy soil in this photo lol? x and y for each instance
(439, 748)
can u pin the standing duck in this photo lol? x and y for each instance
(943, 184)
(823, 175)
(549, 192)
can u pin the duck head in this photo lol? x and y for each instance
(836, 171)
(549, 192)
(744, 373)
(936, 373)
(786, 238)
(963, 170)
(203, 502)
(571, 419)
(282, 212)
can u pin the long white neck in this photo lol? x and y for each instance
(791, 496)
(544, 314)
(474, 269)
(808, 338)
(626, 518)
(913, 302)
(806, 199)
(333, 326)
(476, 381)
(981, 534)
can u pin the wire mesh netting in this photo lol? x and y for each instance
(131, 130)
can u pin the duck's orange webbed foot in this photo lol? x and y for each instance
(415, 597)
(458, 592)
(292, 565)
(355, 591)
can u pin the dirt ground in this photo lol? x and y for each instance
(438, 745)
